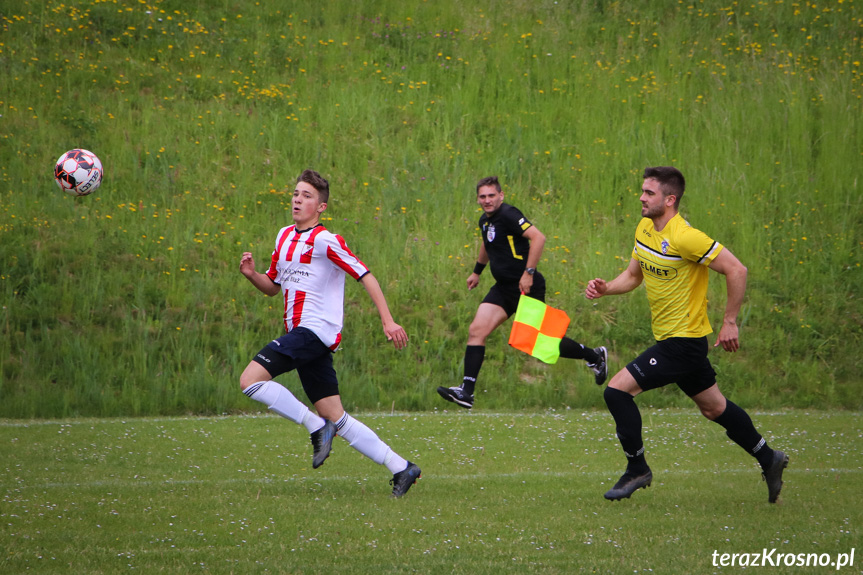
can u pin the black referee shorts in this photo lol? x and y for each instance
(506, 295)
(680, 360)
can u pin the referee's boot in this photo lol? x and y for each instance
(456, 395)
(600, 368)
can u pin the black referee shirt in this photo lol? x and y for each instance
(505, 244)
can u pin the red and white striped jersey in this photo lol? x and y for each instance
(310, 266)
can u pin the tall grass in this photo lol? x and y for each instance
(129, 301)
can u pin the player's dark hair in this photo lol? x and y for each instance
(671, 181)
(488, 181)
(318, 182)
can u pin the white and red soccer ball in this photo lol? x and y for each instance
(78, 172)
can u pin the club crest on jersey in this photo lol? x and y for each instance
(307, 249)
(490, 233)
(664, 247)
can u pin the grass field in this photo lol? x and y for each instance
(123, 316)
(500, 493)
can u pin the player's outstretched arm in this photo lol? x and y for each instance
(735, 285)
(394, 332)
(627, 281)
(261, 281)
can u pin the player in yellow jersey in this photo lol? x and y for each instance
(672, 259)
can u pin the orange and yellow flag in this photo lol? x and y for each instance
(537, 329)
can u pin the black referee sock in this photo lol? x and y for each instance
(473, 358)
(571, 349)
(627, 418)
(739, 429)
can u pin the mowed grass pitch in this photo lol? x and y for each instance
(500, 492)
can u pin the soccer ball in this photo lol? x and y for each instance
(78, 172)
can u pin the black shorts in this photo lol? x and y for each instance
(506, 295)
(680, 360)
(301, 349)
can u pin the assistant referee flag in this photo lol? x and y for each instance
(537, 329)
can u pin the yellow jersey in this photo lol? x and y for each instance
(674, 265)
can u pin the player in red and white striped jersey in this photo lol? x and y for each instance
(308, 267)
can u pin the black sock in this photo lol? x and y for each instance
(739, 429)
(473, 358)
(627, 418)
(571, 349)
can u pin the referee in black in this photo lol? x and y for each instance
(513, 247)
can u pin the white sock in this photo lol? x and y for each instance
(364, 440)
(281, 401)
